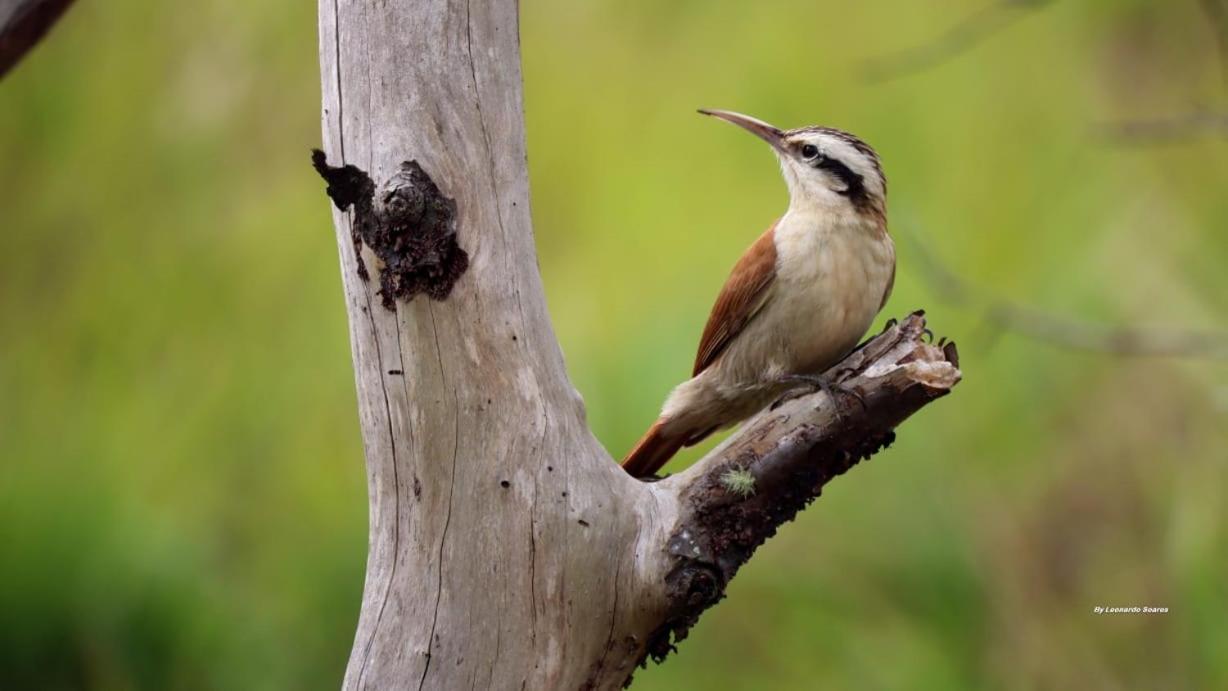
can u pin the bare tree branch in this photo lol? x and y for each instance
(1065, 332)
(23, 23)
(957, 40)
(737, 496)
(1164, 131)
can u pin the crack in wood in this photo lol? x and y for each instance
(396, 483)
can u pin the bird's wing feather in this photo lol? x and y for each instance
(744, 294)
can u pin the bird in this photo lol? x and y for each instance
(799, 298)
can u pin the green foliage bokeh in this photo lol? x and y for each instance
(182, 496)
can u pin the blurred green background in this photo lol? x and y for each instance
(182, 496)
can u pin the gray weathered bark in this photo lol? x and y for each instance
(507, 549)
(23, 23)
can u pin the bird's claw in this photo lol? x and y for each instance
(839, 376)
(804, 384)
(793, 393)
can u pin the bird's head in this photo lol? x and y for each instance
(824, 167)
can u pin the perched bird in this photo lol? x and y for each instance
(797, 301)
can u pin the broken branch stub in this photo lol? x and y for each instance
(409, 225)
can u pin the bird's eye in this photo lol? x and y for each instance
(810, 151)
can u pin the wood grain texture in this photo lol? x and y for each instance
(23, 23)
(507, 549)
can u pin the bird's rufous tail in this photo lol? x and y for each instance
(652, 451)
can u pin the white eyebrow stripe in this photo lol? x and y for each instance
(854, 153)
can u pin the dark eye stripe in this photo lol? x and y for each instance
(854, 184)
(850, 139)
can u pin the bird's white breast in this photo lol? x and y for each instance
(832, 273)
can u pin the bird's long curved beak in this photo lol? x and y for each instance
(768, 133)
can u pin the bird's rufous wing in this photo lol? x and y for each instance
(744, 294)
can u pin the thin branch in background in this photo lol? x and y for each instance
(1182, 127)
(1003, 316)
(957, 40)
(1164, 131)
(1217, 15)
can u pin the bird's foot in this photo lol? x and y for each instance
(836, 390)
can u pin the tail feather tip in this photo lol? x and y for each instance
(651, 452)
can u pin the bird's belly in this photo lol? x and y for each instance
(826, 322)
(829, 291)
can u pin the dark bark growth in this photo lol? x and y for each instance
(409, 225)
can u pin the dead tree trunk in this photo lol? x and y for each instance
(507, 549)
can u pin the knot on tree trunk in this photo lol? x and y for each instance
(410, 225)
